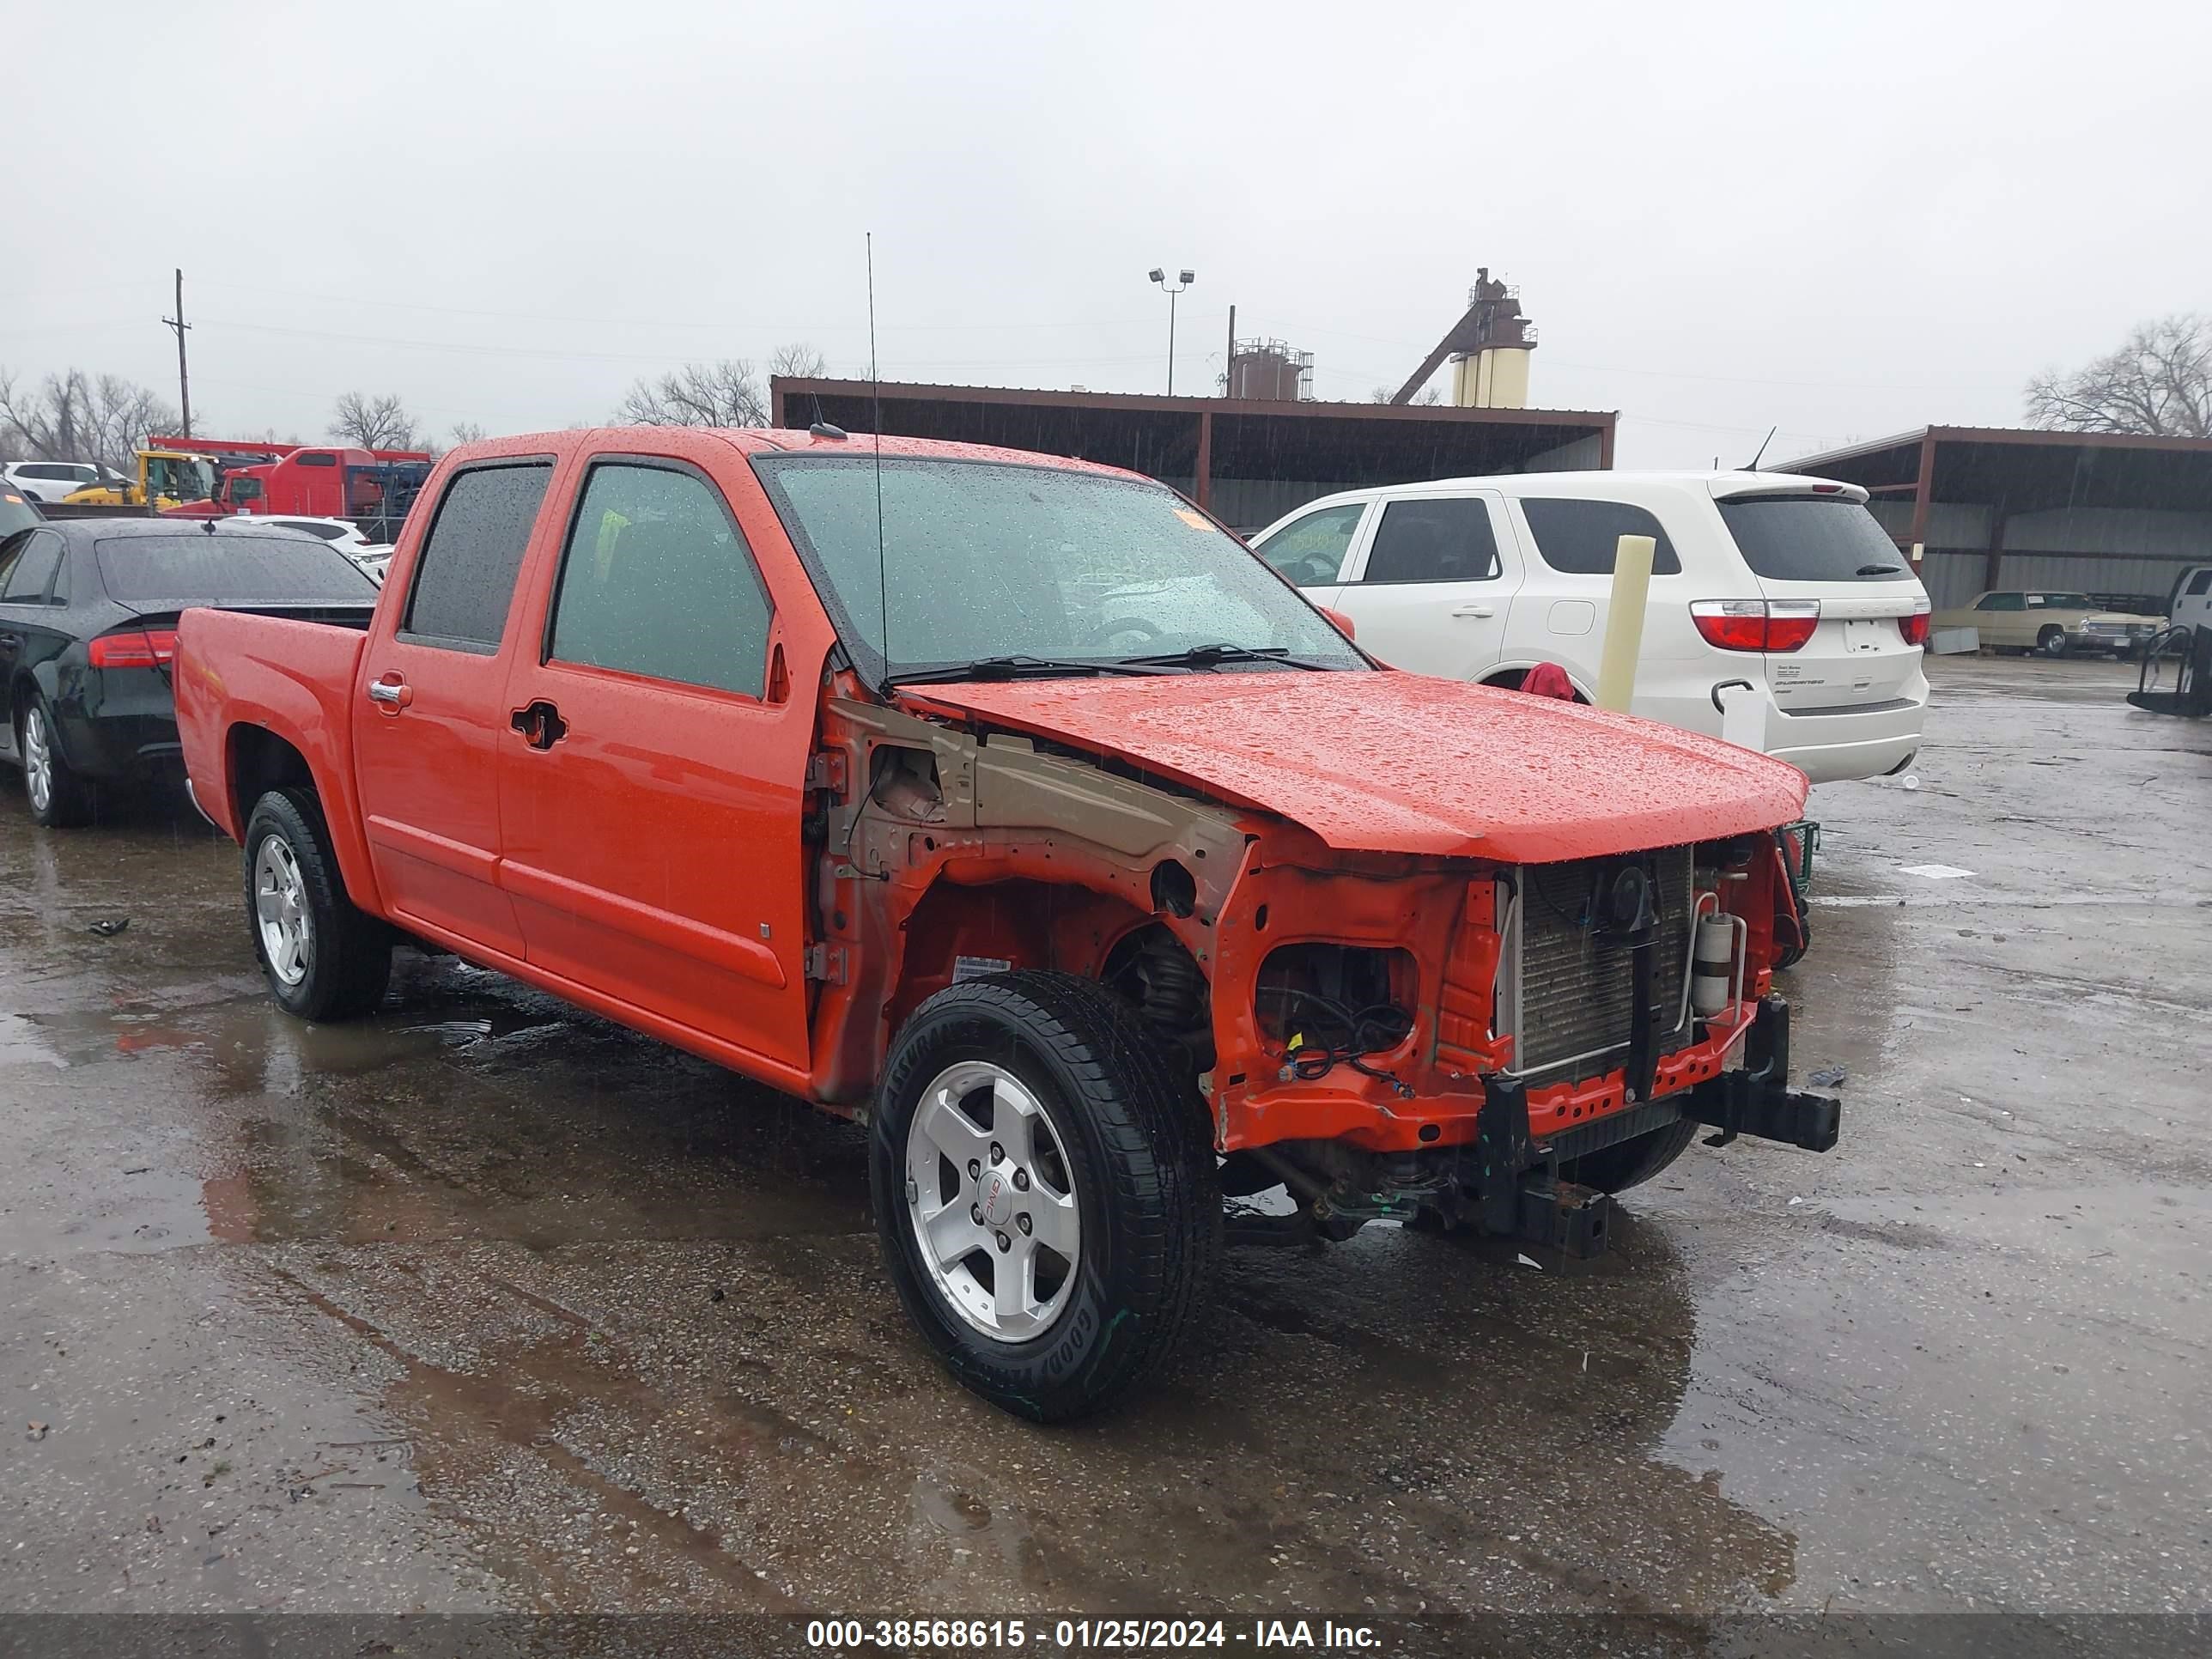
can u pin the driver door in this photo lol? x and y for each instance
(1312, 551)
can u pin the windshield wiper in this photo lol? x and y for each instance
(1881, 569)
(1018, 667)
(1201, 656)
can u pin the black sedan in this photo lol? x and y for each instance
(88, 614)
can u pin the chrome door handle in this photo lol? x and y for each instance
(392, 694)
(1476, 610)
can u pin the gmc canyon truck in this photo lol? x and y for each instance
(1011, 805)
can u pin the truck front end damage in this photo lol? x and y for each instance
(1451, 1042)
(1386, 1034)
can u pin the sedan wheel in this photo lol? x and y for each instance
(38, 761)
(56, 795)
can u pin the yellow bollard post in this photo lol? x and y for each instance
(1623, 622)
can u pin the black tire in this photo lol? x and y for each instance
(2050, 642)
(1628, 1164)
(1140, 1166)
(67, 801)
(349, 963)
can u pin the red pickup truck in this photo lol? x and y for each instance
(1011, 804)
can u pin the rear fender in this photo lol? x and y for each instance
(293, 680)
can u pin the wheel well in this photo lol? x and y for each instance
(1027, 923)
(1509, 679)
(261, 761)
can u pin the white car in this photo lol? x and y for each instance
(1781, 584)
(50, 481)
(341, 533)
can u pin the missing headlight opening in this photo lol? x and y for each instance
(1326, 1005)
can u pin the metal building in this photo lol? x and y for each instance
(1248, 460)
(2104, 514)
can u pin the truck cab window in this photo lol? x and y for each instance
(465, 579)
(1439, 541)
(657, 580)
(1582, 538)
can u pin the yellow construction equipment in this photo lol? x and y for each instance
(166, 477)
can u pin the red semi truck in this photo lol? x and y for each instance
(1011, 805)
(372, 487)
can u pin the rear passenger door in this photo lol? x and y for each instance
(651, 781)
(1431, 591)
(430, 719)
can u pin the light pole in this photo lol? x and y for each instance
(1183, 279)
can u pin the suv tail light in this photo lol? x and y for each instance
(1915, 627)
(1756, 624)
(141, 648)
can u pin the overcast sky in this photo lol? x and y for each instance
(1845, 219)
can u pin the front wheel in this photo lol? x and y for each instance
(323, 959)
(1044, 1190)
(2050, 642)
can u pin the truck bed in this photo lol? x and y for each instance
(290, 677)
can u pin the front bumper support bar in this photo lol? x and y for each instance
(1757, 1100)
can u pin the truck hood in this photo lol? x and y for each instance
(1395, 762)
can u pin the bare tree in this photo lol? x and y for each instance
(798, 363)
(369, 422)
(2159, 383)
(78, 417)
(726, 393)
(1383, 394)
(467, 432)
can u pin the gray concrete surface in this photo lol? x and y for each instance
(490, 1305)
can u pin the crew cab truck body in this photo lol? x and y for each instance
(840, 767)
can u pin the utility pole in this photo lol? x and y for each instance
(1229, 364)
(184, 377)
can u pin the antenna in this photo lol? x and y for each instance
(1763, 442)
(875, 420)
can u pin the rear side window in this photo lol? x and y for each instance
(465, 579)
(657, 580)
(1582, 538)
(243, 567)
(2201, 582)
(1308, 552)
(1433, 540)
(33, 570)
(1811, 538)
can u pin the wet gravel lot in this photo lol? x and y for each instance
(490, 1305)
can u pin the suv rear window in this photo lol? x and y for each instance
(166, 573)
(1582, 538)
(1811, 538)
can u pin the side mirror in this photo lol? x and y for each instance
(1342, 622)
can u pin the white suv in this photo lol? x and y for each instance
(50, 481)
(1784, 584)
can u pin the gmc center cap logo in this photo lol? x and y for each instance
(998, 1198)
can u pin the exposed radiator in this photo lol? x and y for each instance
(1565, 997)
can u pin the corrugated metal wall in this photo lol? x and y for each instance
(1255, 503)
(2094, 549)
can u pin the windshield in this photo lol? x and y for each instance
(1811, 538)
(167, 572)
(183, 478)
(986, 559)
(2062, 601)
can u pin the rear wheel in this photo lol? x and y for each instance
(58, 797)
(1630, 1163)
(1044, 1191)
(2050, 642)
(323, 959)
